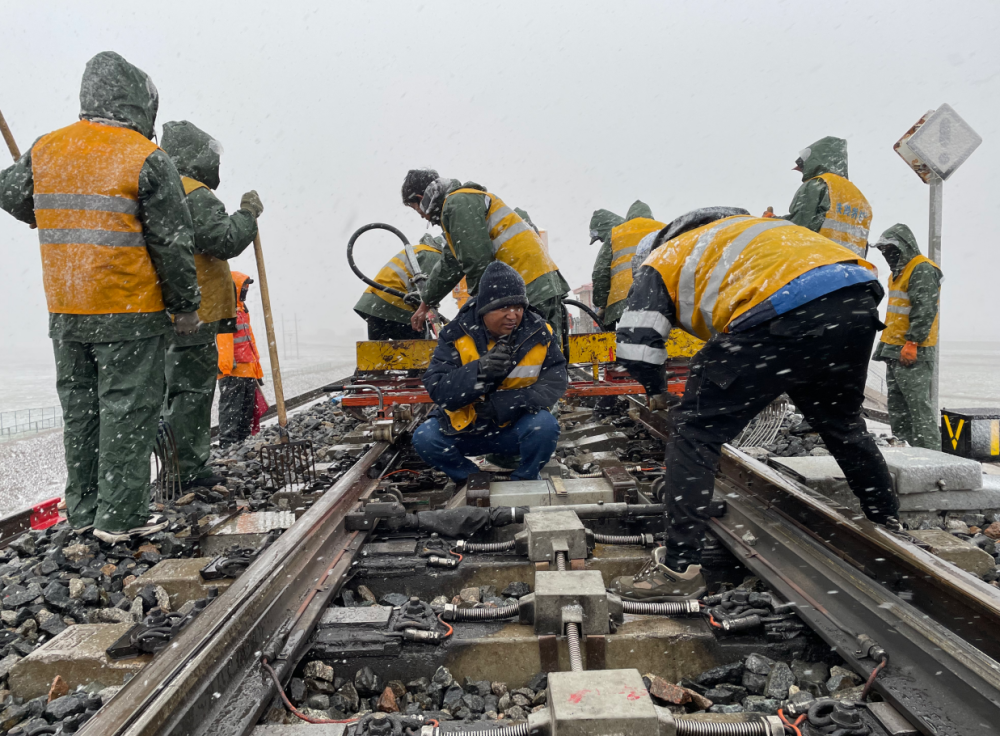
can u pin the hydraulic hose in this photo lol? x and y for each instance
(357, 271)
(677, 608)
(712, 728)
(454, 613)
(619, 538)
(573, 641)
(588, 310)
(464, 546)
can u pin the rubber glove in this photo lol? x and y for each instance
(495, 365)
(908, 355)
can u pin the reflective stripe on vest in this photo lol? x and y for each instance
(244, 349)
(396, 275)
(897, 317)
(525, 373)
(717, 272)
(625, 238)
(849, 217)
(218, 298)
(86, 194)
(515, 242)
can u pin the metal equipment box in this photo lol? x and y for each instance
(555, 591)
(601, 702)
(972, 433)
(550, 532)
(552, 492)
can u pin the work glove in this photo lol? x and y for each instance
(663, 401)
(252, 204)
(186, 323)
(908, 355)
(495, 365)
(485, 411)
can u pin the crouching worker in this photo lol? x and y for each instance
(495, 374)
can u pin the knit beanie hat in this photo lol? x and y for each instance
(500, 286)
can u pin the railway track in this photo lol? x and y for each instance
(845, 577)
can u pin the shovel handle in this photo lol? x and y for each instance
(9, 139)
(272, 345)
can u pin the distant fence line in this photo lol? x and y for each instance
(13, 424)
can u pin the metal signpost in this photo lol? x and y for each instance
(934, 148)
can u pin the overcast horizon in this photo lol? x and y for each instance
(559, 108)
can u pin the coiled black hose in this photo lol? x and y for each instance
(486, 547)
(618, 538)
(711, 728)
(357, 271)
(676, 608)
(588, 310)
(485, 614)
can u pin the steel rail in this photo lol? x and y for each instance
(209, 680)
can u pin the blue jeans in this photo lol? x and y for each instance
(533, 437)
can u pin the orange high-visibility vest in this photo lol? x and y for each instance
(849, 217)
(86, 191)
(897, 316)
(214, 278)
(625, 239)
(238, 354)
(717, 272)
(515, 242)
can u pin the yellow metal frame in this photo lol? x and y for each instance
(395, 355)
(599, 347)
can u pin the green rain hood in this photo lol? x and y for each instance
(113, 89)
(639, 209)
(825, 156)
(194, 152)
(601, 224)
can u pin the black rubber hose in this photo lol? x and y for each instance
(357, 271)
(588, 310)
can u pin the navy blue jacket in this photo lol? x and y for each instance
(452, 385)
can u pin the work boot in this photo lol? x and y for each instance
(154, 524)
(657, 583)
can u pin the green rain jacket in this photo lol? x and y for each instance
(376, 306)
(463, 218)
(601, 224)
(602, 268)
(812, 200)
(924, 291)
(196, 154)
(115, 92)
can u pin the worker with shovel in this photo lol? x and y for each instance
(117, 255)
(191, 361)
(480, 229)
(783, 310)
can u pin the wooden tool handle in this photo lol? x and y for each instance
(272, 345)
(9, 138)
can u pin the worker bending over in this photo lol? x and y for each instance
(480, 229)
(784, 310)
(191, 361)
(117, 255)
(909, 341)
(827, 202)
(387, 315)
(496, 372)
(613, 269)
(240, 372)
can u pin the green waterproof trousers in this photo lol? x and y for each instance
(111, 395)
(190, 373)
(910, 412)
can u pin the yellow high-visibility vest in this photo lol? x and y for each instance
(86, 191)
(525, 373)
(717, 272)
(218, 300)
(897, 316)
(396, 274)
(849, 217)
(625, 239)
(515, 242)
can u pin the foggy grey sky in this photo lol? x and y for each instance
(559, 108)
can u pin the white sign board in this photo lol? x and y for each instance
(944, 141)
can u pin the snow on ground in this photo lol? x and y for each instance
(31, 470)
